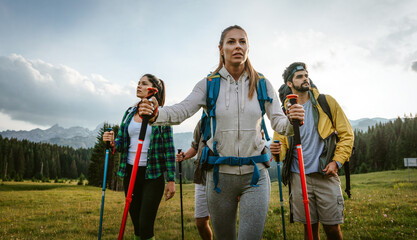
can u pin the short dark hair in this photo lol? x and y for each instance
(289, 71)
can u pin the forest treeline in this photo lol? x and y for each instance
(382, 147)
(22, 159)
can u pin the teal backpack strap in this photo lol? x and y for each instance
(205, 126)
(262, 97)
(213, 87)
(208, 117)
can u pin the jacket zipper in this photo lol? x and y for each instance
(238, 116)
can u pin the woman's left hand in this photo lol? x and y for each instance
(169, 190)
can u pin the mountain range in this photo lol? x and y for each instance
(79, 137)
(76, 137)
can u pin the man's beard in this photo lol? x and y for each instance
(302, 87)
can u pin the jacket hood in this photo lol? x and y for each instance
(225, 75)
(314, 94)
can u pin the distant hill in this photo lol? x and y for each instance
(183, 140)
(79, 137)
(363, 123)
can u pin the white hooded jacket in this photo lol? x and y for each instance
(238, 118)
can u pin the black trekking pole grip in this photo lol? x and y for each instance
(179, 163)
(142, 133)
(180, 169)
(295, 122)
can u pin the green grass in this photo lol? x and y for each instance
(383, 206)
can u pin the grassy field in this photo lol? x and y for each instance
(383, 206)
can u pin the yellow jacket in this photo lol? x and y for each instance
(337, 150)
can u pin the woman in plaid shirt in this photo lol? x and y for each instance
(157, 156)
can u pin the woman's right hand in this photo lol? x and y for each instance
(109, 137)
(149, 108)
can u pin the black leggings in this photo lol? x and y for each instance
(147, 195)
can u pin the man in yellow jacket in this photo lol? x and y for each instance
(326, 143)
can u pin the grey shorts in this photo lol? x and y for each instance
(201, 209)
(325, 199)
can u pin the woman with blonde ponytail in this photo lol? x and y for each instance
(243, 182)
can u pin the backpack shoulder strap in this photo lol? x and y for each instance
(262, 92)
(208, 118)
(213, 87)
(325, 106)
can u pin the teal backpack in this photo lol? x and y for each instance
(208, 119)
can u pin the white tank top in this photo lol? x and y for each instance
(133, 130)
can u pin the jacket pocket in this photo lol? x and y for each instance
(328, 152)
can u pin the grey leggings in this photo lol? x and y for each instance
(253, 205)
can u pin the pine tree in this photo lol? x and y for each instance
(20, 168)
(10, 170)
(73, 170)
(29, 163)
(96, 168)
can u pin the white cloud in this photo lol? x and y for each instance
(43, 94)
(351, 48)
(9, 124)
(414, 66)
(347, 69)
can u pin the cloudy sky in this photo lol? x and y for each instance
(76, 63)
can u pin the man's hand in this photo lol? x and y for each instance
(275, 148)
(296, 111)
(179, 157)
(331, 169)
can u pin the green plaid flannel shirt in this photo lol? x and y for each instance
(161, 152)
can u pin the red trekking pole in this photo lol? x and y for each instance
(142, 133)
(297, 140)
